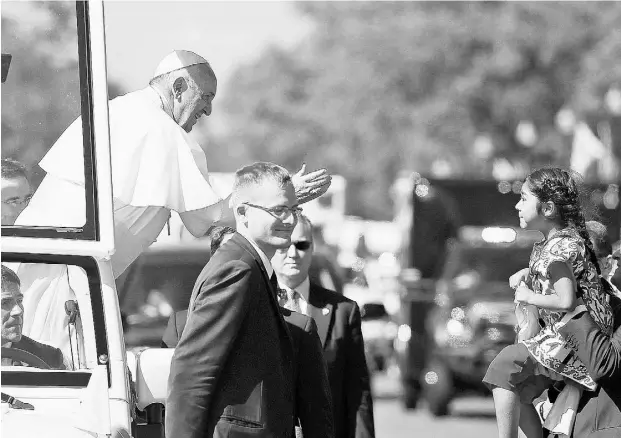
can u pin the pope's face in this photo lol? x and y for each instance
(12, 313)
(16, 193)
(196, 100)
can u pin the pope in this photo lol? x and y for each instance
(156, 168)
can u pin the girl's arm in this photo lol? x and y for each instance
(564, 283)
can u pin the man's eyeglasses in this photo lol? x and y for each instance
(281, 212)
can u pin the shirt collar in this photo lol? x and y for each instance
(303, 288)
(7, 345)
(266, 262)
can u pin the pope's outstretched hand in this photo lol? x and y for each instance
(309, 186)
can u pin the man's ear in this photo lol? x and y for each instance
(241, 213)
(179, 86)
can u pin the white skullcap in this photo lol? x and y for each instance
(176, 60)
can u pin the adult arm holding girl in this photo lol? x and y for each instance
(600, 353)
(599, 413)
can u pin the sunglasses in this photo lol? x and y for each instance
(302, 245)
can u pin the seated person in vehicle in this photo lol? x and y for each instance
(18, 349)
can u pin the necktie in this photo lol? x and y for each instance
(292, 301)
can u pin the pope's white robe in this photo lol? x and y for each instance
(156, 167)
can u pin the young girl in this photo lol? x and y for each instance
(562, 270)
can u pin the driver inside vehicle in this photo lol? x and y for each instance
(18, 349)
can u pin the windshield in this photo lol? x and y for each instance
(47, 313)
(46, 87)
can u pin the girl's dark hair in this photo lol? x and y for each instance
(565, 190)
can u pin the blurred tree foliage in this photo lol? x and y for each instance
(41, 96)
(379, 87)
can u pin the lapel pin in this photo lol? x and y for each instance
(325, 311)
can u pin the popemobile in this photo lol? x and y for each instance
(97, 390)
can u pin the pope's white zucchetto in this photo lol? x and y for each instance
(178, 59)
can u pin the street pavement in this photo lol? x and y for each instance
(471, 417)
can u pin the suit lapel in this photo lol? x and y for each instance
(241, 241)
(322, 312)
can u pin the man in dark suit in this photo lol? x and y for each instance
(338, 324)
(232, 372)
(313, 402)
(12, 323)
(599, 412)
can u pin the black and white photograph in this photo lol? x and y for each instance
(310, 219)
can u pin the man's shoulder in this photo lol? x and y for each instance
(328, 296)
(52, 355)
(230, 260)
(236, 248)
(230, 256)
(151, 120)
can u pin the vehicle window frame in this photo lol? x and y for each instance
(90, 267)
(90, 231)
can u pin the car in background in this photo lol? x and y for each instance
(157, 284)
(378, 328)
(473, 318)
(160, 282)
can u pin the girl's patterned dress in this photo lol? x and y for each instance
(548, 347)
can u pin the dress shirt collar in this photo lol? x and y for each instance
(303, 289)
(266, 262)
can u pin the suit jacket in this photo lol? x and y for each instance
(51, 355)
(313, 402)
(599, 412)
(232, 371)
(338, 324)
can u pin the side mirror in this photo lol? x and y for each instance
(371, 311)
